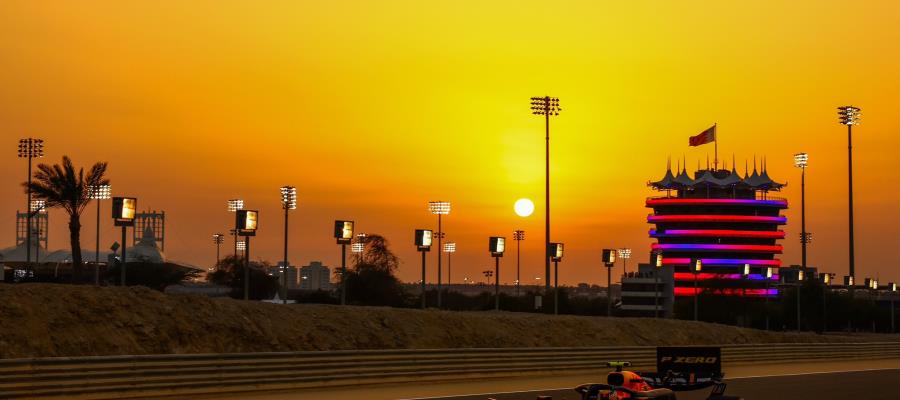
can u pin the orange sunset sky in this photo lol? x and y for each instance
(372, 108)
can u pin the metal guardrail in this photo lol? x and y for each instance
(163, 375)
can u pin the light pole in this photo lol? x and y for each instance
(766, 302)
(98, 193)
(235, 205)
(288, 203)
(440, 208)
(799, 283)
(245, 224)
(449, 248)
(656, 291)
(423, 242)
(218, 239)
(826, 283)
(241, 247)
(518, 236)
(696, 267)
(745, 275)
(800, 161)
(849, 115)
(609, 260)
(123, 210)
(556, 252)
(343, 235)
(892, 287)
(38, 207)
(359, 246)
(624, 254)
(546, 106)
(497, 245)
(488, 274)
(29, 148)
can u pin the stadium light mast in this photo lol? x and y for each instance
(98, 192)
(218, 239)
(546, 106)
(343, 235)
(29, 148)
(518, 236)
(849, 115)
(288, 203)
(439, 208)
(556, 252)
(449, 248)
(235, 205)
(423, 241)
(800, 161)
(624, 254)
(497, 246)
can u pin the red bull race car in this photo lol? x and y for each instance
(677, 369)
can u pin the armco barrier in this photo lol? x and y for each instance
(162, 375)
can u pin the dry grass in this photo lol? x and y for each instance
(46, 320)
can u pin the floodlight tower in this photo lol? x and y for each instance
(29, 148)
(624, 254)
(235, 205)
(98, 193)
(497, 246)
(546, 106)
(218, 239)
(38, 208)
(449, 248)
(849, 115)
(518, 236)
(288, 203)
(439, 208)
(800, 161)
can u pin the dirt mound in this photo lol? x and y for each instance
(46, 320)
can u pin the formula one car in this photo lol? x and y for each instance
(677, 369)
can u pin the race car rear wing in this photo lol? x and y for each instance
(686, 368)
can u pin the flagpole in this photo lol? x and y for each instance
(716, 139)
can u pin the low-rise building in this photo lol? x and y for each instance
(315, 276)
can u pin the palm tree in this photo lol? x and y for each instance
(60, 186)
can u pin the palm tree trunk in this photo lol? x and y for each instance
(75, 240)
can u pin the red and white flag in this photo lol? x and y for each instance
(707, 136)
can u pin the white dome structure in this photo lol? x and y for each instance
(146, 250)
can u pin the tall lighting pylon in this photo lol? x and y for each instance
(801, 160)
(849, 115)
(440, 208)
(29, 148)
(288, 203)
(546, 106)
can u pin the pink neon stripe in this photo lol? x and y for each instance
(715, 218)
(718, 233)
(688, 276)
(689, 291)
(721, 247)
(655, 202)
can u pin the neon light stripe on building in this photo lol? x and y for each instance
(721, 247)
(689, 291)
(705, 276)
(716, 218)
(730, 202)
(722, 261)
(718, 233)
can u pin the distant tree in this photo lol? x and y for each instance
(61, 186)
(152, 275)
(230, 272)
(371, 281)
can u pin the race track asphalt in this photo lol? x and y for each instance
(870, 385)
(848, 379)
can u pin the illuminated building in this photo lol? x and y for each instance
(727, 221)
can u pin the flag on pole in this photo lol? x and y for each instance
(707, 136)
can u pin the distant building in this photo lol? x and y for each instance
(648, 292)
(315, 276)
(293, 278)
